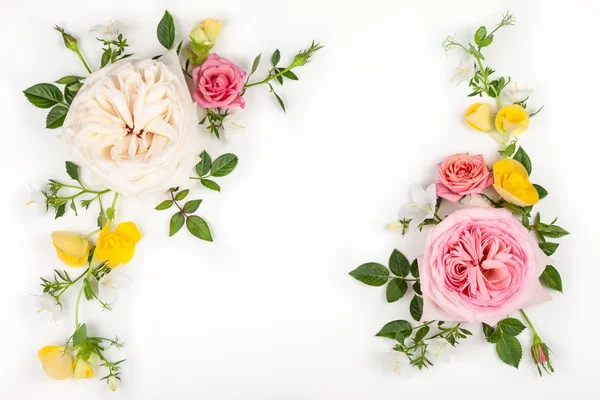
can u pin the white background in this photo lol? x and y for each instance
(268, 311)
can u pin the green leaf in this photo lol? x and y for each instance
(72, 170)
(56, 117)
(199, 228)
(399, 264)
(191, 206)
(480, 35)
(105, 59)
(224, 164)
(80, 335)
(511, 326)
(290, 75)
(392, 328)
(276, 57)
(487, 330)
(60, 210)
(522, 157)
(70, 94)
(110, 213)
(421, 333)
(87, 290)
(417, 288)
(510, 150)
(43, 95)
(414, 268)
(551, 278)
(203, 167)
(166, 31)
(280, 102)
(179, 47)
(541, 191)
(66, 80)
(416, 308)
(176, 223)
(165, 205)
(372, 274)
(487, 41)
(212, 185)
(74, 207)
(255, 64)
(551, 231)
(181, 195)
(395, 290)
(548, 248)
(509, 350)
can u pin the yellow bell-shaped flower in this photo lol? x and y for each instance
(56, 362)
(479, 116)
(511, 182)
(82, 369)
(71, 248)
(117, 247)
(512, 119)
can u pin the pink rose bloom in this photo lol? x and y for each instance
(480, 265)
(462, 174)
(219, 83)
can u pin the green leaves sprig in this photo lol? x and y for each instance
(207, 168)
(508, 347)
(110, 54)
(215, 118)
(195, 225)
(165, 31)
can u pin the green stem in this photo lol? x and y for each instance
(88, 273)
(83, 61)
(270, 77)
(535, 334)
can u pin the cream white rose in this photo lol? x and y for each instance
(134, 125)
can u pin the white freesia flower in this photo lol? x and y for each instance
(45, 302)
(133, 124)
(108, 32)
(398, 363)
(109, 284)
(439, 349)
(421, 206)
(465, 70)
(232, 123)
(515, 96)
(39, 200)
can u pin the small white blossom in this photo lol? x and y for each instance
(231, 123)
(516, 96)
(421, 206)
(108, 32)
(465, 70)
(38, 198)
(47, 303)
(439, 349)
(398, 363)
(109, 284)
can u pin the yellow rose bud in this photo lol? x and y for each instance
(512, 119)
(511, 181)
(211, 28)
(56, 362)
(82, 369)
(117, 247)
(71, 248)
(479, 116)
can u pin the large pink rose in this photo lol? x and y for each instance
(462, 174)
(219, 83)
(480, 265)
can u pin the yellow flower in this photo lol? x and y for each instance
(71, 248)
(479, 116)
(512, 119)
(511, 181)
(56, 362)
(203, 39)
(82, 369)
(117, 247)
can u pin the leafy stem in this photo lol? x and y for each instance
(85, 64)
(78, 301)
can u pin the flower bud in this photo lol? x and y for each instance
(112, 383)
(70, 41)
(203, 39)
(71, 248)
(541, 356)
(512, 119)
(479, 116)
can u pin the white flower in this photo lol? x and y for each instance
(398, 363)
(516, 96)
(421, 206)
(38, 198)
(231, 123)
(133, 125)
(108, 32)
(109, 284)
(45, 302)
(465, 70)
(439, 349)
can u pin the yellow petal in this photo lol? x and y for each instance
(197, 35)
(211, 28)
(479, 116)
(130, 230)
(82, 370)
(71, 248)
(511, 182)
(56, 362)
(512, 119)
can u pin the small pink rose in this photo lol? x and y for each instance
(219, 83)
(462, 174)
(480, 265)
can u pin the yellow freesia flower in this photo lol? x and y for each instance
(479, 116)
(56, 362)
(203, 39)
(71, 248)
(82, 369)
(512, 119)
(117, 247)
(511, 181)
